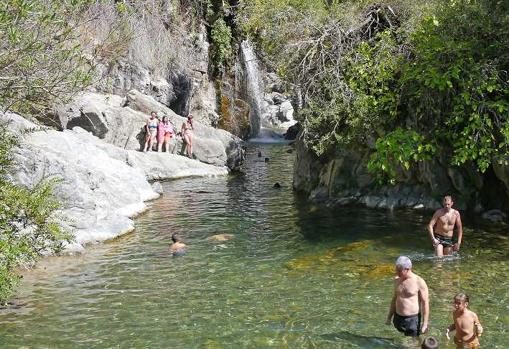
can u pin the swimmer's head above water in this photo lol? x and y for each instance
(175, 237)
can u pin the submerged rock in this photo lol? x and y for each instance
(221, 237)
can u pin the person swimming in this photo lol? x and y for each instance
(178, 247)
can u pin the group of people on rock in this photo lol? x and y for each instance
(162, 131)
(409, 308)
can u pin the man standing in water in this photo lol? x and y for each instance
(443, 222)
(409, 300)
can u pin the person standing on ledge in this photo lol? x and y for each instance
(151, 129)
(187, 135)
(410, 299)
(441, 228)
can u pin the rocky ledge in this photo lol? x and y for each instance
(101, 186)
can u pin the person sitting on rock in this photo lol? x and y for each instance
(151, 128)
(178, 247)
(187, 136)
(164, 133)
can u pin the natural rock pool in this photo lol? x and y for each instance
(295, 275)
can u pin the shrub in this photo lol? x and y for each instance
(28, 225)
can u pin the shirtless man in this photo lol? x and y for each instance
(466, 324)
(409, 300)
(443, 222)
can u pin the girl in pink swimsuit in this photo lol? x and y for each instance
(164, 133)
(187, 135)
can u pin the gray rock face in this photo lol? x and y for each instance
(212, 146)
(101, 186)
(494, 216)
(105, 117)
(121, 123)
(344, 179)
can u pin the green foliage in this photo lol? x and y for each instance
(398, 150)
(457, 84)
(221, 35)
(415, 82)
(27, 221)
(40, 60)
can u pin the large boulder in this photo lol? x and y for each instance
(105, 117)
(212, 146)
(121, 122)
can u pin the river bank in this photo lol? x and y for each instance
(101, 186)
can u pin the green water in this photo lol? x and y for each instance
(296, 275)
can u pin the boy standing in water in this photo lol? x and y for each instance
(466, 324)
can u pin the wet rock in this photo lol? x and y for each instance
(157, 187)
(292, 132)
(221, 237)
(494, 216)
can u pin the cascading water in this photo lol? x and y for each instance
(254, 87)
(268, 119)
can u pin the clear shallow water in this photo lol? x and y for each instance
(296, 275)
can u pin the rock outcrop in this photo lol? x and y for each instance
(101, 186)
(121, 122)
(343, 179)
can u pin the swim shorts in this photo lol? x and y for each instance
(471, 344)
(444, 240)
(409, 325)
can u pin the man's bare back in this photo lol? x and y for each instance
(441, 228)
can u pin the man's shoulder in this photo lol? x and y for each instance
(420, 280)
(439, 212)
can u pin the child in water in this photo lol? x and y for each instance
(178, 248)
(466, 324)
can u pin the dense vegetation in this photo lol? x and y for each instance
(28, 221)
(405, 81)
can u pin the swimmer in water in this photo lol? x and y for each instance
(177, 248)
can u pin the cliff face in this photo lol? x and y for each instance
(343, 178)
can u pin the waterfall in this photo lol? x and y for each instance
(254, 87)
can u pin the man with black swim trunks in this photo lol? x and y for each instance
(410, 303)
(441, 228)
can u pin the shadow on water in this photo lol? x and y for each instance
(364, 342)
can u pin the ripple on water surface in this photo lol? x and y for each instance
(294, 275)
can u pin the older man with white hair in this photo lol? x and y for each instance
(410, 302)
